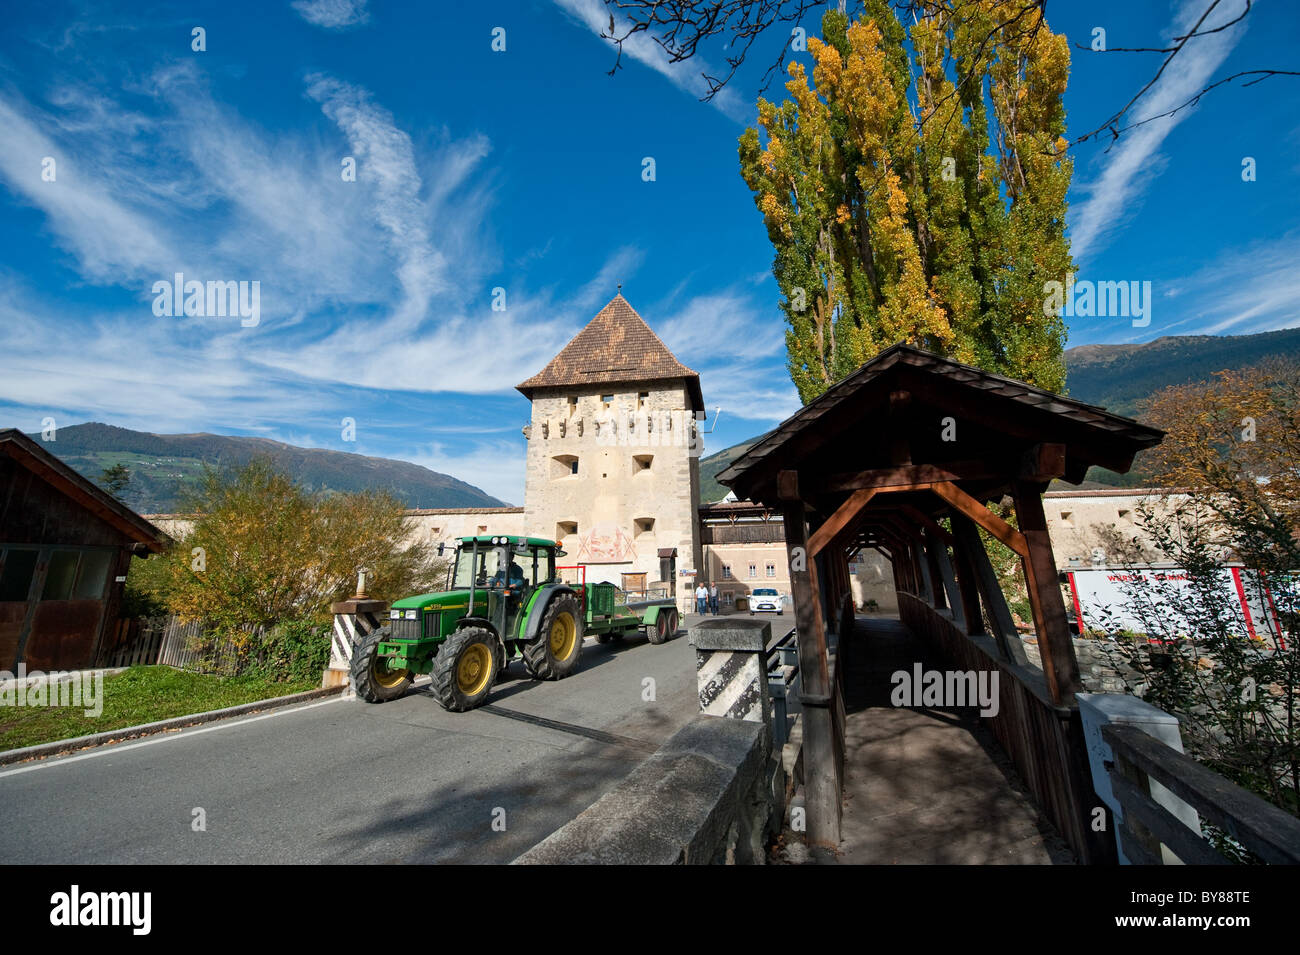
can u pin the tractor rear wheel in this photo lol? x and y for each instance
(466, 666)
(372, 678)
(558, 647)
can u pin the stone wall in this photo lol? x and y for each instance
(703, 798)
(1103, 667)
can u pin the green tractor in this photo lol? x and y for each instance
(505, 599)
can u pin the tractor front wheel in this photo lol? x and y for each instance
(465, 668)
(558, 647)
(372, 678)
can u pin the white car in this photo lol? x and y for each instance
(766, 600)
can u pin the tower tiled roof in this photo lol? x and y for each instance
(615, 346)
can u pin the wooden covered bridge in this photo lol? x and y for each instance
(905, 456)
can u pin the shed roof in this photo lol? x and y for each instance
(615, 346)
(33, 457)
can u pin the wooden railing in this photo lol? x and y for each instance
(1258, 826)
(1044, 740)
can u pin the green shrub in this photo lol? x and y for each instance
(293, 650)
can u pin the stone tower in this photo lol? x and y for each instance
(613, 453)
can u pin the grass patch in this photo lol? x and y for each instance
(141, 694)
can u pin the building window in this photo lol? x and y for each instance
(643, 525)
(753, 570)
(566, 528)
(641, 462)
(771, 570)
(726, 571)
(482, 529)
(642, 398)
(1067, 518)
(564, 465)
(76, 575)
(1125, 514)
(607, 399)
(16, 574)
(573, 406)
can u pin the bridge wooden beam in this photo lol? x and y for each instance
(1060, 667)
(846, 518)
(982, 516)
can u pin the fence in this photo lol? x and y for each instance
(186, 645)
(1258, 826)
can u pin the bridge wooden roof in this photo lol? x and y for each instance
(893, 413)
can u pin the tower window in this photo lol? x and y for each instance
(641, 399)
(573, 406)
(643, 525)
(564, 465)
(607, 399)
(565, 529)
(641, 462)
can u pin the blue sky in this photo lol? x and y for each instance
(519, 170)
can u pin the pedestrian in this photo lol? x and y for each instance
(701, 599)
(713, 598)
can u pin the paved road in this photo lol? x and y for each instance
(343, 781)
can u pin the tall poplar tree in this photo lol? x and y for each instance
(914, 191)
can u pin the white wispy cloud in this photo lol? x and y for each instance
(1255, 289)
(739, 351)
(386, 157)
(686, 76)
(332, 14)
(1135, 162)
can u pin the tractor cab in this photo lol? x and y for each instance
(501, 575)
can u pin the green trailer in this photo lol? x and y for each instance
(506, 598)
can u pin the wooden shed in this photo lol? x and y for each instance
(904, 456)
(65, 547)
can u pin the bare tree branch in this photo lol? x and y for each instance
(1168, 49)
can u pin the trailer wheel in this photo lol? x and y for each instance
(658, 632)
(465, 668)
(558, 647)
(372, 679)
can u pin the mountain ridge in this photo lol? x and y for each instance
(163, 466)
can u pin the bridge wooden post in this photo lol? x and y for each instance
(822, 783)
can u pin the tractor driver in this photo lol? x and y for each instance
(514, 577)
